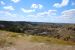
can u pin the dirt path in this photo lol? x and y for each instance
(26, 45)
(38, 46)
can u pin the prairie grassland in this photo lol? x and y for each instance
(19, 41)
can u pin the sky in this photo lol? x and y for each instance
(57, 11)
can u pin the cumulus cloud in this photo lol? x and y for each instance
(2, 2)
(37, 6)
(15, 1)
(27, 11)
(9, 8)
(62, 4)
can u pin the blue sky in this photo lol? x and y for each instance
(57, 11)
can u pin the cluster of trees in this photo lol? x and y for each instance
(56, 30)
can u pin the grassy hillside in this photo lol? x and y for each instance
(9, 38)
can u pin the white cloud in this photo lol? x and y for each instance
(9, 8)
(15, 1)
(52, 12)
(7, 13)
(62, 4)
(27, 11)
(67, 16)
(11, 15)
(47, 13)
(2, 2)
(44, 14)
(69, 13)
(34, 6)
(1, 12)
(39, 6)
